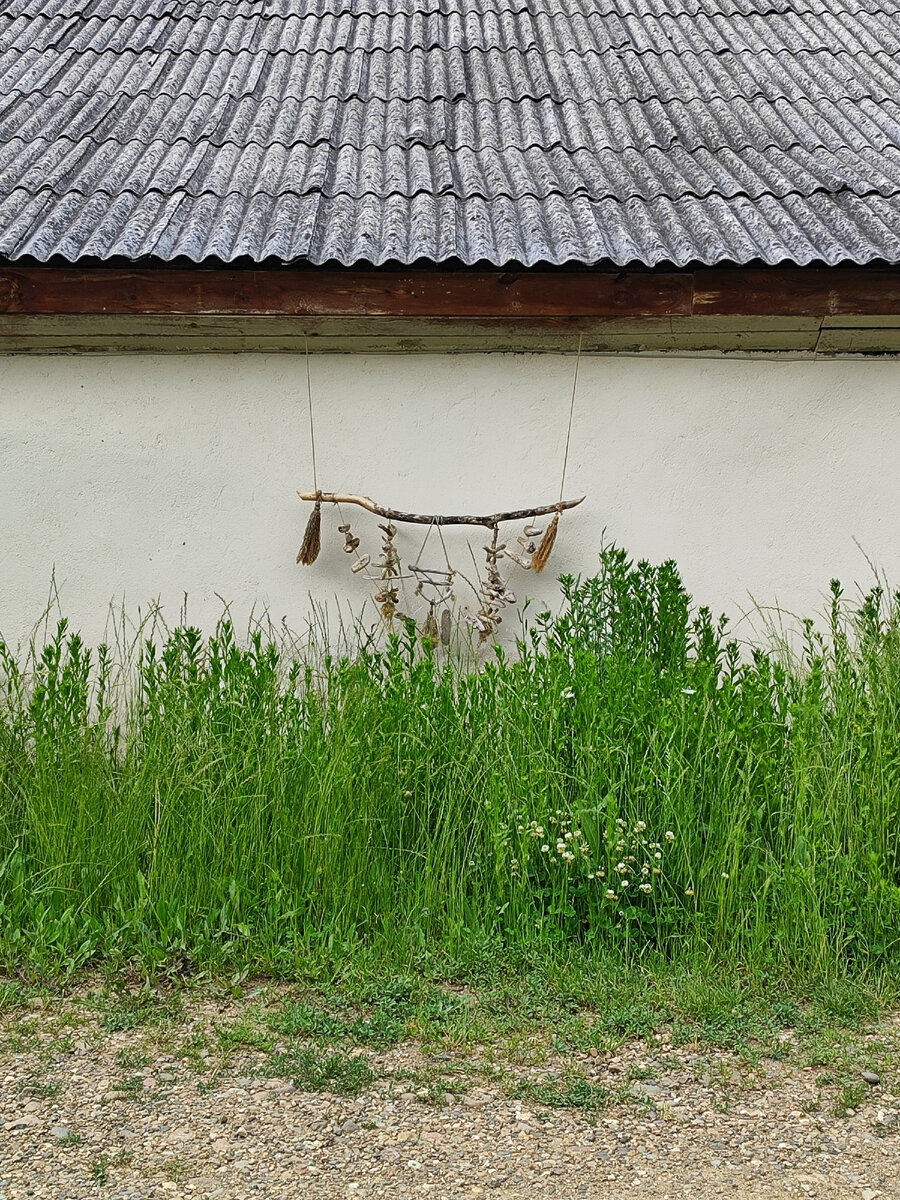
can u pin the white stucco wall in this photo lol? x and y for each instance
(135, 478)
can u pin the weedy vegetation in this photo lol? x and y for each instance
(630, 791)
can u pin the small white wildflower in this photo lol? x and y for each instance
(646, 887)
(520, 829)
(670, 836)
(569, 856)
(621, 868)
(545, 849)
(611, 895)
(657, 871)
(569, 837)
(689, 891)
(645, 870)
(657, 855)
(689, 691)
(538, 831)
(600, 874)
(725, 875)
(623, 883)
(640, 827)
(568, 694)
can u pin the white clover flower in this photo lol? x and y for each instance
(670, 836)
(645, 870)
(725, 875)
(657, 855)
(568, 694)
(646, 887)
(611, 895)
(600, 874)
(640, 827)
(623, 883)
(545, 849)
(657, 871)
(621, 868)
(689, 891)
(520, 829)
(568, 837)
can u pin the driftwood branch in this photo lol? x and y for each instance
(393, 514)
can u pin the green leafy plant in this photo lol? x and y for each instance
(630, 785)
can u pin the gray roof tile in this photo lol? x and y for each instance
(499, 130)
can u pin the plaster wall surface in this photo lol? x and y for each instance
(135, 479)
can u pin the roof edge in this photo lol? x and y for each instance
(521, 296)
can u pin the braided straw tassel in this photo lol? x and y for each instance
(312, 538)
(542, 554)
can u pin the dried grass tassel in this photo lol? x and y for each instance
(312, 538)
(542, 554)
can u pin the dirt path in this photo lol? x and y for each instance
(97, 1101)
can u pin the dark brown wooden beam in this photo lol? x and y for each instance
(553, 298)
(55, 290)
(797, 292)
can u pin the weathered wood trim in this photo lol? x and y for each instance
(808, 291)
(56, 290)
(97, 334)
(548, 299)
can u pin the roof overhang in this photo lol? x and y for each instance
(804, 309)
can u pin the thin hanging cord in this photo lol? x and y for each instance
(424, 543)
(444, 548)
(542, 554)
(312, 537)
(562, 482)
(312, 431)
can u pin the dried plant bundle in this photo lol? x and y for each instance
(312, 538)
(542, 554)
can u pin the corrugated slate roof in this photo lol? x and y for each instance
(532, 131)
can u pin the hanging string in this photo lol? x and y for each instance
(542, 554)
(424, 543)
(562, 482)
(312, 537)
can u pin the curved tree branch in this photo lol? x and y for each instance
(393, 514)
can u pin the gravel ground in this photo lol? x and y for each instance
(203, 1106)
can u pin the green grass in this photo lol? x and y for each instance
(312, 1071)
(211, 806)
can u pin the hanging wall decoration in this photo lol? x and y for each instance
(435, 586)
